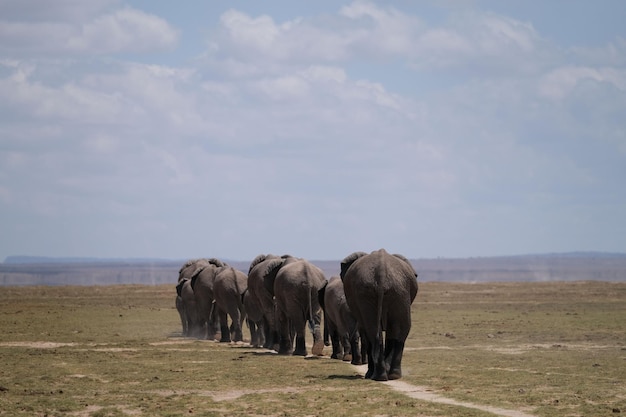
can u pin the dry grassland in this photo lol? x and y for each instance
(512, 349)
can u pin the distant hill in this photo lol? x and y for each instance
(576, 266)
(22, 259)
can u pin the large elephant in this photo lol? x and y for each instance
(339, 322)
(202, 283)
(380, 289)
(296, 289)
(229, 286)
(261, 290)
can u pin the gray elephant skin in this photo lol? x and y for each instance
(185, 300)
(186, 306)
(296, 286)
(380, 289)
(255, 319)
(339, 322)
(229, 286)
(261, 292)
(202, 281)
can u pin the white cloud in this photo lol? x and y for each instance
(389, 32)
(256, 33)
(487, 42)
(558, 83)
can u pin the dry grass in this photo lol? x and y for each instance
(549, 349)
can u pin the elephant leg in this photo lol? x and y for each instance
(355, 350)
(394, 358)
(181, 312)
(318, 340)
(268, 335)
(377, 369)
(254, 337)
(380, 367)
(225, 331)
(300, 346)
(185, 321)
(327, 336)
(285, 341)
(364, 350)
(370, 363)
(211, 321)
(347, 350)
(337, 350)
(260, 332)
(235, 328)
(193, 324)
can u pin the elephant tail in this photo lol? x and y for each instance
(379, 315)
(310, 320)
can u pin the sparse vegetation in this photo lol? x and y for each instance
(547, 349)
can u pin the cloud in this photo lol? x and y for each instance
(270, 141)
(562, 81)
(365, 31)
(122, 30)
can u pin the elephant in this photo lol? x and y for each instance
(255, 319)
(180, 304)
(185, 302)
(202, 283)
(186, 305)
(229, 286)
(380, 289)
(339, 322)
(296, 286)
(261, 290)
(180, 307)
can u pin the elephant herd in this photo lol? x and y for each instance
(283, 295)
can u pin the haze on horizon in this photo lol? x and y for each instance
(135, 129)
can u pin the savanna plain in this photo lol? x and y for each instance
(514, 349)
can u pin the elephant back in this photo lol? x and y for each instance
(380, 271)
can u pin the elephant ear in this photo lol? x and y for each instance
(273, 266)
(403, 258)
(287, 259)
(217, 262)
(260, 258)
(187, 267)
(269, 275)
(179, 287)
(196, 273)
(199, 269)
(348, 260)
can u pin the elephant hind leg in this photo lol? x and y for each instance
(379, 372)
(224, 329)
(318, 348)
(300, 346)
(394, 358)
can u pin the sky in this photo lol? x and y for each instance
(133, 129)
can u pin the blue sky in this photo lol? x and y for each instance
(229, 129)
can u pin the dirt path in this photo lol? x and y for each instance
(426, 394)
